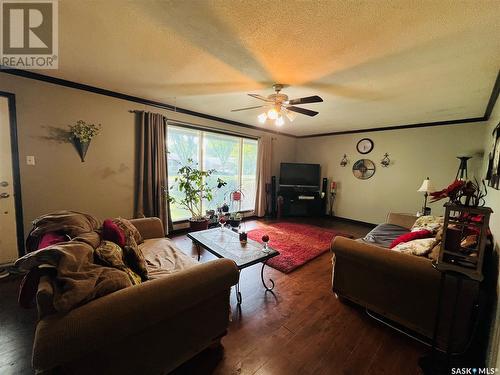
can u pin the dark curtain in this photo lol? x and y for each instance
(152, 169)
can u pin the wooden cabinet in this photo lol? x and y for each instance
(464, 240)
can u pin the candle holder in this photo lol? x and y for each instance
(265, 239)
(222, 222)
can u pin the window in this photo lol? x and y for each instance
(233, 158)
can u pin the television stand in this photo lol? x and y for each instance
(300, 202)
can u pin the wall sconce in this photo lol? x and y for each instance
(385, 161)
(344, 161)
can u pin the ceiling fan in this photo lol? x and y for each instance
(280, 105)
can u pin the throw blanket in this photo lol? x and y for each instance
(71, 223)
(78, 279)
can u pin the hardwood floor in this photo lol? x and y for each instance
(303, 328)
(300, 329)
(16, 330)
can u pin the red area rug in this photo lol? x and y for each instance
(297, 243)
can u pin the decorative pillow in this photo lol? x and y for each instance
(110, 254)
(434, 254)
(112, 232)
(418, 234)
(129, 229)
(384, 234)
(51, 238)
(432, 223)
(419, 247)
(134, 258)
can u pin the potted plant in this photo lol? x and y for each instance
(235, 219)
(225, 208)
(192, 182)
(81, 135)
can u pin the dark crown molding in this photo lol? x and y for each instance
(493, 98)
(489, 108)
(130, 98)
(97, 90)
(399, 127)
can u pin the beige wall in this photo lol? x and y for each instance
(415, 154)
(493, 201)
(104, 184)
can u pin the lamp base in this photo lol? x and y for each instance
(426, 211)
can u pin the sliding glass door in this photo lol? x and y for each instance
(233, 158)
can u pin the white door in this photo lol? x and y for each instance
(8, 233)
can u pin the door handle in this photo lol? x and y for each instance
(4, 184)
(4, 195)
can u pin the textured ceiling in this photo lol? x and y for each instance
(375, 63)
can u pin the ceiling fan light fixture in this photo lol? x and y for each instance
(272, 114)
(262, 117)
(290, 115)
(278, 105)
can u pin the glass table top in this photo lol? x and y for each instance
(225, 243)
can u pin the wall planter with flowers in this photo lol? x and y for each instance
(81, 135)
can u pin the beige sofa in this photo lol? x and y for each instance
(150, 328)
(403, 289)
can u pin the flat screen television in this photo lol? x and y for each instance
(299, 174)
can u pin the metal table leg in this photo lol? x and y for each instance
(198, 248)
(238, 293)
(268, 289)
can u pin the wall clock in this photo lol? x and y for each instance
(364, 146)
(363, 169)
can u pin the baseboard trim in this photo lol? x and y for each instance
(353, 221)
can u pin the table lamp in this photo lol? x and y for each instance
(462, 168)
(426, 188)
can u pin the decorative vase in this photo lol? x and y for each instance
(243, 237)
(81, 147)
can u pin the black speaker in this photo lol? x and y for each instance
(324, 196)
(273, 196)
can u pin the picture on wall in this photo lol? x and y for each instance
(493, 172)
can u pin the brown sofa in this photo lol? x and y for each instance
(401, 288)
(150, 328)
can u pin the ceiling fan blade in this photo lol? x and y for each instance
(307, 99)
(244, 109)
(257, 96)
(303, 111)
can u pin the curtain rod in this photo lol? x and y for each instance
(191, 125)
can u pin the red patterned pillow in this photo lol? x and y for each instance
(424, 233)
(129, 229)
(112, 232)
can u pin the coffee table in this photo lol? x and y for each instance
(225, 243)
